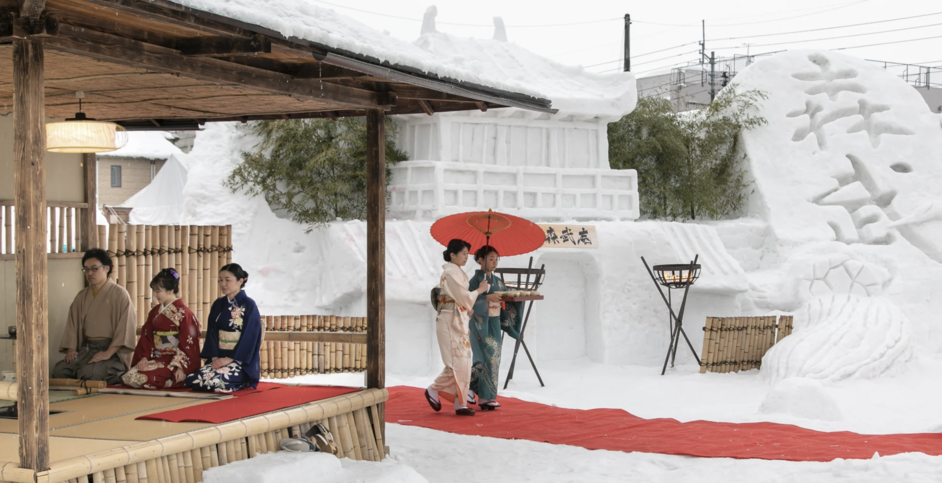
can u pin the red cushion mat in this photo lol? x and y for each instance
(250, 402)
(617, 430)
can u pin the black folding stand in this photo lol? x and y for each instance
(524, 282)
(678, 276)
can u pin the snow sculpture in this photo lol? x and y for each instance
(803, 398)
(862, 159)
(539, 166)
(840, 337)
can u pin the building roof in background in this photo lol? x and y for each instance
(147, 145)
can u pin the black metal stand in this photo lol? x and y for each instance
(520, 342)
(524, 284)
(676, 320)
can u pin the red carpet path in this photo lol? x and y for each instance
(617, 430)
(250, 402)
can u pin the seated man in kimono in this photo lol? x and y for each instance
(99, 337)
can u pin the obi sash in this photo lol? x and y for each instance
(229, 339)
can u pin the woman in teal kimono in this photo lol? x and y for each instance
(490, 320)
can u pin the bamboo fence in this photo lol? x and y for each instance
(65, 226)
(733, 344)
(296, 345)
(141, 251)
(352, 419)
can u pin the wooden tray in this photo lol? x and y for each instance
(523, 298)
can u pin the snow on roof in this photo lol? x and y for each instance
(304, 20)
(572, 89)
(147, 145)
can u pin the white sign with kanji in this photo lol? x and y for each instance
(570, 236)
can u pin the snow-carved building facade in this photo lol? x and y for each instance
(541, 166)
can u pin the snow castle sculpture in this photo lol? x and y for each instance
(539, 166)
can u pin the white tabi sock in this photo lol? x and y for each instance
(433, 393)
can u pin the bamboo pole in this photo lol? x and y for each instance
(747, 345)
(222, 454)
(197, 459)
(707, 334)
(130, 284)
(358, 452)
(229, 244)
(122, 258)
(163, 241)
(366, 449)
(102, 234)
(69, 237)
(8, 230)
(207, 298)
(193, 274)
(214, 259)
(204, 456)
(153, 476)
(214, 461)
(148, 267)
(141, 282)
(188, 467)
(173, 468)
(52, 230)
(378, 431)
(130, 473)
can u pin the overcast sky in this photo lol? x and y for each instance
(590, 32)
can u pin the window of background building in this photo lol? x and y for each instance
(115, 176)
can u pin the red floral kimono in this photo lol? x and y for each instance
(170, 340)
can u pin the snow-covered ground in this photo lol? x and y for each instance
(904, 403)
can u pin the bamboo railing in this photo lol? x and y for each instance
(733, 344)
(297, 345)
(140, 251)
(66, 224)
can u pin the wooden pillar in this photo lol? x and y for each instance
(376, 254)
(29, 180)
(89, 218)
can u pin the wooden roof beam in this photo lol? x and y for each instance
(120, 50)
(482, 106)
(25, 27)
(426, 107)
(168, 11)
(221, 46)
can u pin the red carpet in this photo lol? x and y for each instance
(250, 402)
(617, 430)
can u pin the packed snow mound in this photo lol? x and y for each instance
(572, 89)
(304, 467)
(802, 398)
(850, 153)
(842, 337)
(160, 202)
(147, 145)
(308, 21)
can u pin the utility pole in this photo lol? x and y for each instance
(627, 67)
(712, 76)
(702, 40)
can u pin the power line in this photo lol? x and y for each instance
(825, 28)
(871, 45)
(663, 50)
(645, 62)
(755, 22)
(411, 19)
(837, 37)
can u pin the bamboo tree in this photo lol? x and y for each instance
(689, 164)
(313, 169)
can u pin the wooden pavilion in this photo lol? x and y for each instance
(156, 64)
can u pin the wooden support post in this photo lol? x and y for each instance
(29, 181)
(376, 255)
(89, 219)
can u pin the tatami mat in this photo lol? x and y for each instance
(59, 448)
(112, 417)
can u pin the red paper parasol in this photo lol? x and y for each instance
(509, 235)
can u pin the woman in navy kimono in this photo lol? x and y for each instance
(233, 338)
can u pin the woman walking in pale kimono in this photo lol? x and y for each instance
(233, 338)
(455, 306)
(490, 319)
(169, 347)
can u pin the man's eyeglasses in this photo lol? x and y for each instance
(91, 269)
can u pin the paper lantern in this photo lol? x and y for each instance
(83, 135)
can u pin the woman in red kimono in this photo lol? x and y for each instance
(169, 348)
